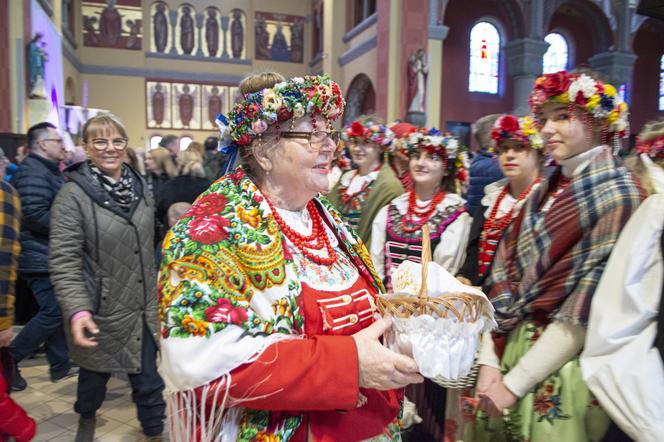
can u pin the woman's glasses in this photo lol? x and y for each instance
(317, 140)
(103, 143)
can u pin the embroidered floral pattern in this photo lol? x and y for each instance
(547, 404)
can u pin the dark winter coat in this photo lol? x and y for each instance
(484, 170)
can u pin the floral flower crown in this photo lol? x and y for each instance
(522, 129)
(292, 99)
(654, 147)
(600, 100)
(369, 131)
(433, 141)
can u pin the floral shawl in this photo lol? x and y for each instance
(549, 263)
(228, 288)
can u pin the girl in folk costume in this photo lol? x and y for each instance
(362, 192)
(622, 358)
(397, 236)
(267, 298)
(547, 267)
(519, 146)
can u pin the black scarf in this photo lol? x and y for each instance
(122, 191)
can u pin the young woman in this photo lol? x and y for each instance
(519, 145)
(362, 192)
(547, 267)
(397, 236)
(621, 365)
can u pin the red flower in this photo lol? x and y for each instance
(556, 83)
(356, 129)
(450, 430)
(251, 110)
(224, 312)
(244, 139)
(209, 229)
(208, 205)
(509, 123)
(284, 114)
(580, 99)
(257, 199)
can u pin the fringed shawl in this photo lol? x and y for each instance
(549, 263)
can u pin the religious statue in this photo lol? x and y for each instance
(90, 35)
(158, 105)
(237, 34)
(37, 59)
(160, 28)
(212, 32)
(134, 39)
(297, 49)
(279, 49)
(110, 25)
(418, 69)
(214, 106)
(187, 31)
(186, 104)
(262, 39)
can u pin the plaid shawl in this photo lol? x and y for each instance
(549, 263)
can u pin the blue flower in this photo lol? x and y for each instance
(606, 102)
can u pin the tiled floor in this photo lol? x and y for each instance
(51, 405)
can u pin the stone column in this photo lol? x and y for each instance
(173, 14)
(437, 35)
(224, 31)
(199, 24)
(524, 64)
(617, 65)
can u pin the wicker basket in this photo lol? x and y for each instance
(459, 305)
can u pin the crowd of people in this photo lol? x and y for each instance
(240, 299)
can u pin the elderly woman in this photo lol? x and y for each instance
(102, 269)
(362, 192)
(519, 145)
(268, 298)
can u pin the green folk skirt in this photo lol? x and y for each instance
(561, 408)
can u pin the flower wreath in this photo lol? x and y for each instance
(654, 147)
(599, 99)
(437, 143)
(522, 129)
(369, 131)
(292, 99)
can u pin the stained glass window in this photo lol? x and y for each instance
(661, 83)
(556, 56)
(484, 58)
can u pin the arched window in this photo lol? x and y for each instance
(555, 58)
(154, 141)
(661, 83)
(185, 142)
(484, 58)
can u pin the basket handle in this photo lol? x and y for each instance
(426, 259)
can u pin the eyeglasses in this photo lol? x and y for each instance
(102, 143)
(316, 139)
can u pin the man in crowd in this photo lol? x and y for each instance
(38, 180)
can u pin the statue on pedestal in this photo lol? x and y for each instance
(279, 50)
(297, 43)
(237, 34)
(37, 59)
(262, 40)
(214, 106)
(110, 24)
(212, 32)
(418, 69)
(187, 31)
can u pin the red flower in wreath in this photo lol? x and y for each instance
(244, 139)
(509, 123)
(284, 114)
(356, 129)
(251, 110)
(208, 205)
(209, 229)
(556, 83)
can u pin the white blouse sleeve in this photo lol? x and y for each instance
(619, 362)
(451, 251)
(377, 246)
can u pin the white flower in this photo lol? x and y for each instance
(585, 84)
(299, 80)
(298, 110)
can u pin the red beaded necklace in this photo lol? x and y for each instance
(408, 222)
(316, 240)
(493, 226)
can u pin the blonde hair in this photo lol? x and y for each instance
(191, 163)
(175, 212)
(651, 130)
(163, 160)
(101, 124)
(197, 147)
(257, 81)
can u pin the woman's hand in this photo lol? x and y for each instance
(79, 327)
(379, 367)
(496, 399)
(464, 280)
(486, 377)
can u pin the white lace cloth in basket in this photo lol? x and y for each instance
(443, 347)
